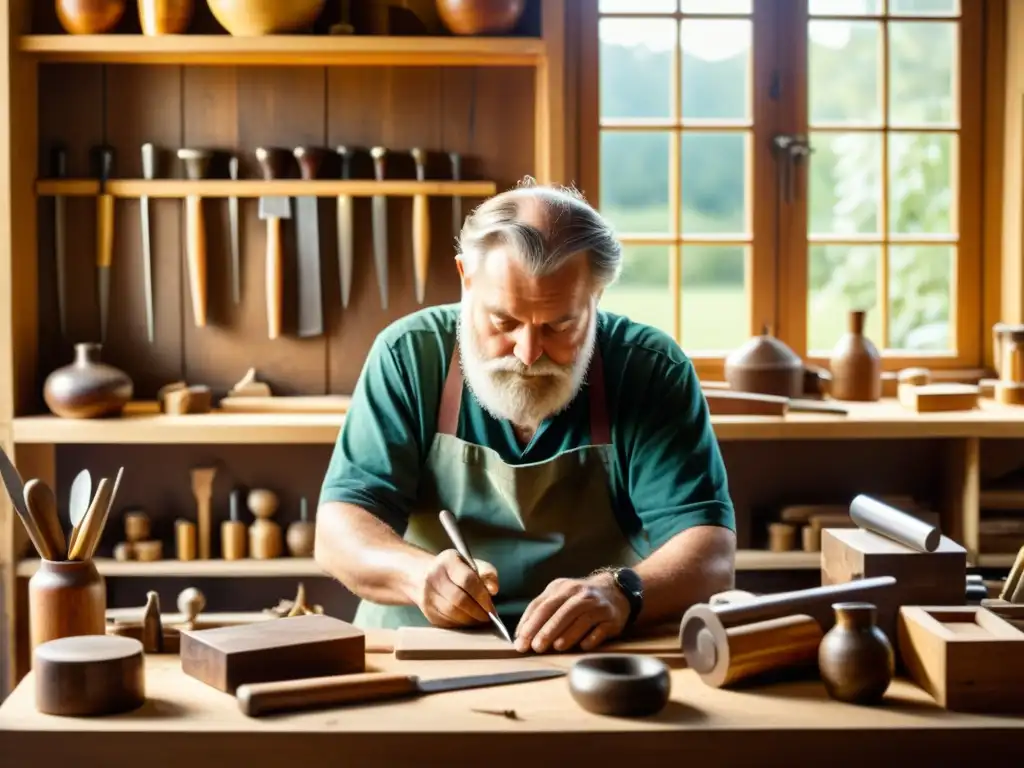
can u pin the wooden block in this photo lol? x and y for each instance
(434, 643)
(89, 675)
(745, 404)
(284, 649)
(932, 398)
(966, 657)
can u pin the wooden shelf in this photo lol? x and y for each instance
(995, 561)
(301, 567)
(287, 50)
(258, 188)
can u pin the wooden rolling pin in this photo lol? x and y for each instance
(873, 515)
(748, 650)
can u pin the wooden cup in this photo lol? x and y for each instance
(66, 599)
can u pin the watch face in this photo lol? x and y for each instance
(630, 581)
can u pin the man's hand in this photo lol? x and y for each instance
(573, 611)
(452, 595)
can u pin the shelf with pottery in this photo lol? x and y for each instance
(181, 188)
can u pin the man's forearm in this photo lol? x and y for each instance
(367, 556)
(687, 569)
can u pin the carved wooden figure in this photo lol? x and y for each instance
(265, 539)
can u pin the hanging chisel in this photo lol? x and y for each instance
(236, 255)
(103, 162)
(380, 227)
(307, 222)
(420, 227)
(59, 170)
(148, 173)
(456, 161)
(345, 229)
(197, 163)
(272, 209)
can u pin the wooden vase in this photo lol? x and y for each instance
(66, 599)
(89, 17)
(165, 17)
(87, 388)
(480, 17)
(856, 365)
(855, 658)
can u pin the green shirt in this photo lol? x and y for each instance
(668, 474)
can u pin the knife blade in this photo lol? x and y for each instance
(345, 229)
(380, 227)
(307, 215)
(451, 527)
(257, 699)
(59, 170)
(148, 173)
(103, 158)
(236, 249)
(456, 161)
(16, 490)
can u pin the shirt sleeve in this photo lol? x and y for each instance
(677, 478)
(376, 459)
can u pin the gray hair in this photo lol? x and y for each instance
(544, 226)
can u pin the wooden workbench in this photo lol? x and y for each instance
(186, 723)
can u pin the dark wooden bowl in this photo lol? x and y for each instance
(622, 685)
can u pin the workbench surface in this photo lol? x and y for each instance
(186, 723)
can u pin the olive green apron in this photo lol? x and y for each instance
(533, 522)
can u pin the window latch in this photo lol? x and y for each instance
(790, 150)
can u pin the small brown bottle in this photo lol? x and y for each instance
(232, 531)
(301, 533)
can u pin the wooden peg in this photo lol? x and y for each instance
(152, 626)
(185, 539)
(202, 488)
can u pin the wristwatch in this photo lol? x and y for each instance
(632, 586)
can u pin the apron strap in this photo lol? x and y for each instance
(451, 400)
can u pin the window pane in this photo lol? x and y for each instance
(921, 194)
(636, 67)
(922, 76)
(717, 6)
(634, 180)
(841, 278)
(716, 310)
(643, 292)
(844, 78)
(714, 178)
(716, 68)
(920, 296)
(845, 7)
(715, 307)
(924, 7)
(637, 6)
(845, 183)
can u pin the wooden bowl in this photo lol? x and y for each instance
(256, 18)
(622, 685)
(480, 17)
(89, 17)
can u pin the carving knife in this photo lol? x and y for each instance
(307, 215)
(256, 699)
(452, 529)
(345, 229)
(59, 170)
(103, 159)
(148, 173)
(236, 257)
(380, 227)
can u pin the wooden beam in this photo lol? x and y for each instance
(1012, 261)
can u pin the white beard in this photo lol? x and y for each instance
(510, 390)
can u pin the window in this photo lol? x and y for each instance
(778, 163)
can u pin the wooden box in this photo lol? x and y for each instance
(968, 658)
(284, 649)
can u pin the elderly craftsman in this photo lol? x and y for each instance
(573, 446)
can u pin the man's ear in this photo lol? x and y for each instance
(463, 275)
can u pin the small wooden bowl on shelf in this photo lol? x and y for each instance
(257, 18)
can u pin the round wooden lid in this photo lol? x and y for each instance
(85, 649)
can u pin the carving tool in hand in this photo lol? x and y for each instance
(456, 161)
(257, 699)
(273, 162)
(420, 227)
(16, 490)
(345, 229)
(148, 173)
(103, 162)
(307, 222)
(59, 170)
(380, 227)
(197, 163)
(451, 527)
(236, 249)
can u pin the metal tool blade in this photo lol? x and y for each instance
(103, 284)
(311, 312)
(148, 172)
(456, 162)
(380, 246)
(79, 498)
(13, 483)
(60, 246)
(236, 250)
(486, 681)
(275, 208)
(345, 247)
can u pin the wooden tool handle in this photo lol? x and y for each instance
(43, 507)
(257, 699)
(872, 515)
(421, 244)
(92, 524)
(274, 278)
(195, 233)
(104, 230)
(36, 534)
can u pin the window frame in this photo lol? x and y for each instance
(777, 292)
